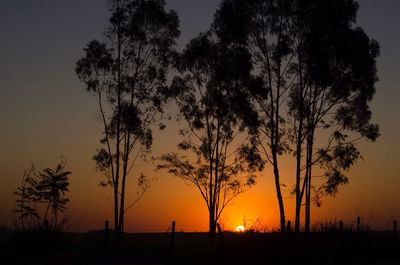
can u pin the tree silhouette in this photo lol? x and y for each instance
(51, 187)
(338, 67)
(127, 74)
(263, 28)
(208, 94)
(27, 199)
(318, 74)
(47, 188)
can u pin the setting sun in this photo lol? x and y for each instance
(240, 228)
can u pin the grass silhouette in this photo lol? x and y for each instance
(328, 247)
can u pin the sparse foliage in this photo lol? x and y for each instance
(263, 27)
(40, 193)
(126, 73)
(338, 71)
(318, 74)
(208, 94)
(27, 198)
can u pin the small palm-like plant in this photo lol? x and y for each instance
(52, 187)
(27, 199)
(41, 192)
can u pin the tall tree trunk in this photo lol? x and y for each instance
(312, 121)
(299, 140)
(310, 145)
(116, 209)
(308, 205)
(282, 217)
(122, 204)
(277, 139)
(118, 131)
(299, 196)
(123, 184)
(298, 204)
(212, 227)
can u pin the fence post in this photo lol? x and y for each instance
(358, 224)
(106, 233)
(341, 226)
(288, 226)
(172, 236)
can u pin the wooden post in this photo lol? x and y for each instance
(172, 236)
(341, 226)
(358, 224)
(106, 233)
(395, 229)
(288, 226)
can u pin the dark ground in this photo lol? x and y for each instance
(193, 248)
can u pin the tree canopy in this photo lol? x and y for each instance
(127, 74)
(319, 73)
(208, 92)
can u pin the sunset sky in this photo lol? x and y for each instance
(45, 112)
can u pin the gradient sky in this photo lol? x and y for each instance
(45, 112)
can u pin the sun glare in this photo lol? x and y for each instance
(240, 228)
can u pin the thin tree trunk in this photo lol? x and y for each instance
(310, 145)
(307, 204)
(299, 195)
(277, 140)
(212, 226)
(279, 196)
(123, 184)
(298, 202)
(117, 160)
(308, 185)
(122, 204)
(116, 209)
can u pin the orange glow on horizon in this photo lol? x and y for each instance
(240, 229)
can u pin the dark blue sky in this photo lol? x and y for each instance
(45, 111)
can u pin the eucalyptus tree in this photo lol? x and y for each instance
(209, 93)
(126, 73)
(263, 27)
(338, 69)
(318, 73)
